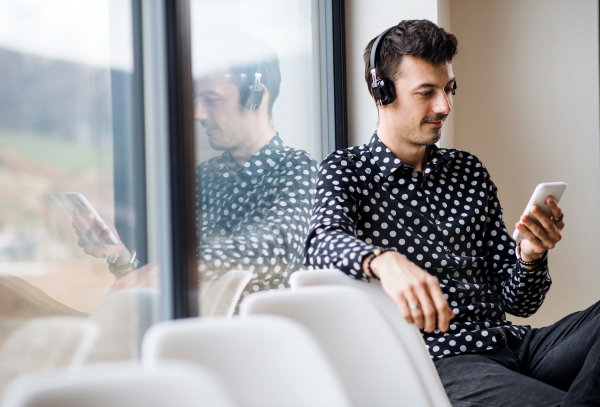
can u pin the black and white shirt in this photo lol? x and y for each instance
(256, 217)
(447, 221)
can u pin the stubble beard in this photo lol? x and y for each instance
(420, 136)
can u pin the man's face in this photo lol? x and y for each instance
(219, 111)
(423, 100)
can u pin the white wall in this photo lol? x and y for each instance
(527, 105)
(364, 21)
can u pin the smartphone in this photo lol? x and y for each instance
(538, 198)
(81, 208)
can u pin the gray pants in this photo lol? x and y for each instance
(558, 365)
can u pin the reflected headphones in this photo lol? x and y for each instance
(251, 95)
(383, 88)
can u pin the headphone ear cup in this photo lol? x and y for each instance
(257, 96)
(383, 91)
(244, 94)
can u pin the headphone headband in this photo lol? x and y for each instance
(251, 93)
(374, 48)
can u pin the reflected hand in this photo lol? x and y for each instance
(93, 237)
(539, 239)
(416, 292)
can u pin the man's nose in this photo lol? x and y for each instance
(200, 111)
(443, 103)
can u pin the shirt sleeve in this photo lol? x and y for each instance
(272, 235)
(520, 291)
(333, 240)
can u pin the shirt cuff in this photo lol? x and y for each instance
(351, 260)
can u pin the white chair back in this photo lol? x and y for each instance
(407, 334)
(47, 343)
(267, 361)
(220, 296)
(374, 368)
(121, 385)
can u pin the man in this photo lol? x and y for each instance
(427, 222)
(254, 200)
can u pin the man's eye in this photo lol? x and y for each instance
(426, 94)
(448, 90)
(211, 101)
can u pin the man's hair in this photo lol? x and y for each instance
(419, 38)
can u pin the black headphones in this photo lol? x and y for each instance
(383, 88)
(251, 95)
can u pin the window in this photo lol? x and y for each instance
(71, 143)
(144, 160)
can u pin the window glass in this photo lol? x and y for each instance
(256, 70)
(71, 213)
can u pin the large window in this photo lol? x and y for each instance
(156, 158)
(71, 156)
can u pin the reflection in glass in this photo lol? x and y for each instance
(254, 199)
(65, 106)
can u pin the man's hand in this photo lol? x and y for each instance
(87, 233)
(416, 292)
(539, 239)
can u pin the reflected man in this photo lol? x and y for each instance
(255, 199)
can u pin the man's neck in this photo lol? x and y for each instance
(413, 155)
(252, 145)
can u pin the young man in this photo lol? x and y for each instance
(427, 222)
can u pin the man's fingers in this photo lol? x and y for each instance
(77, 222)
(556, 211)
(552, 232)
(415, 308)
(403, 307)
(545, 241)
(428, 308)
(533, 239)
(441, 305)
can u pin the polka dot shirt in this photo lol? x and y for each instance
(447, 220)
(256, 217)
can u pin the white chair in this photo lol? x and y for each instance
(266, 361)
(407, 334)
(121, 385)
(365, 352)
(47, 343)
(220, 296)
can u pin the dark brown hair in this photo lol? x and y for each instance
(419, 38)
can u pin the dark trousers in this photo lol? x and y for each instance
(558, 365)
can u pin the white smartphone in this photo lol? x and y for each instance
(538, 198)
(66, 210)
(80, 206)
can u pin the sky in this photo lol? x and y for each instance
(93, 32)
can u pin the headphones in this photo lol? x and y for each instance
(251, 95)
(383, 88)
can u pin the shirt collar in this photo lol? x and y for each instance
(271, 154)
(388, 163)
